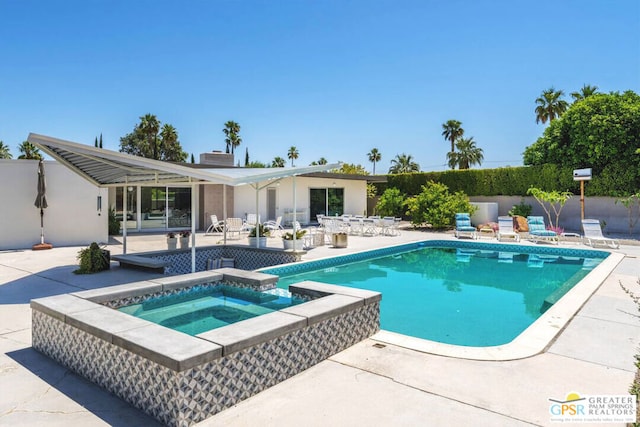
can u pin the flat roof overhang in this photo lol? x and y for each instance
(106, 168)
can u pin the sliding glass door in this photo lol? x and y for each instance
(326, 201)
(165, 207)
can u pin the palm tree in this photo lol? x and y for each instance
(585, 91)
(452, 130)
(171, 150)
(231, 130)
(29, 151)
(403, 163)
(374, 157)
(278, 162)
(4, 151)
(149, 125)
(468, 154)
(550, 106)
(293, 154)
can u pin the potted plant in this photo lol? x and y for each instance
(172, 240)
(264, 233)
(93, 259)
(339, 240)
(184, 239)
(287, 240)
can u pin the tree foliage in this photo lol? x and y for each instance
(374, 157)
(391, 203)
(467, 155)
(435, 205)
(550, 106)
(452, 130)
(232, 138)
(403, 163)
(351, 169)
(602, 132)
(29, 151)
(148, 139)
(551, 201)
(293, 154)
(278, 162)
(5, 153)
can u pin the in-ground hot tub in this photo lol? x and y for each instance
(181, 379)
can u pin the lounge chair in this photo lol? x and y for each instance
(215, 227)
(505, 229)
(464, 227)
(538, 231)
(593, 234)
(274, 226)
(234, 225)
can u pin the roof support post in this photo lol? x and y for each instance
(224, 211)
(295, 208)
(124, 219)
(193, 227)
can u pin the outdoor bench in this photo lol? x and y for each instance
(141, 262)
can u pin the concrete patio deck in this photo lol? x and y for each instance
(367, 384)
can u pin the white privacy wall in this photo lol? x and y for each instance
(72, 217)
(355, 196)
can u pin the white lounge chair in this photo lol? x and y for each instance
(216, 226)
(593, 234)
(464, 227)
(538, 231)
(234, 226)
(274, 226)
(505, 229)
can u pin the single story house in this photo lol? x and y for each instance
(84, 182)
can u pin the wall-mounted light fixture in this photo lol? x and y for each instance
(99, 205)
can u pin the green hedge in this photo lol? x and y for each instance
(513, 181)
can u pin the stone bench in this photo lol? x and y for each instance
(141, 263)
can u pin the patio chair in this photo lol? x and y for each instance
(464, 227)
(216, 226)
(250, 222)
(538, 231)
(593, 234)
(505, 229)
(274, 226)
(234, 226)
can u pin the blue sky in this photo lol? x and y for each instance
(333, 78)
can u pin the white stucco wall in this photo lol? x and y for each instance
(355, 196)
(615, 215)
(71, 219)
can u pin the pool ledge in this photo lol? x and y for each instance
(181, 379)
(533, 340)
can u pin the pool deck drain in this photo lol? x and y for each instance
(363, 385)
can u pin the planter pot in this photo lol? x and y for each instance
(106, 254)
(288, 245)
(184, 242)
(172, 243)
(261, 244)
(339, 240)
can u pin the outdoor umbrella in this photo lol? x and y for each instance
(41, 203)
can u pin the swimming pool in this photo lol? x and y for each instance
(462, 293)
(202, 308)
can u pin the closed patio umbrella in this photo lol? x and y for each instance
(41, 203)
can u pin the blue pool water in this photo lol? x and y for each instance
(473, 295)
(202, 308)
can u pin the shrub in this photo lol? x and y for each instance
(289, 235)
(264, 232)
(93, 259)
(391, 203)
(114, 224)
(521, 209)
(437, 206)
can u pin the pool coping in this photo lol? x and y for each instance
(535, 339)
